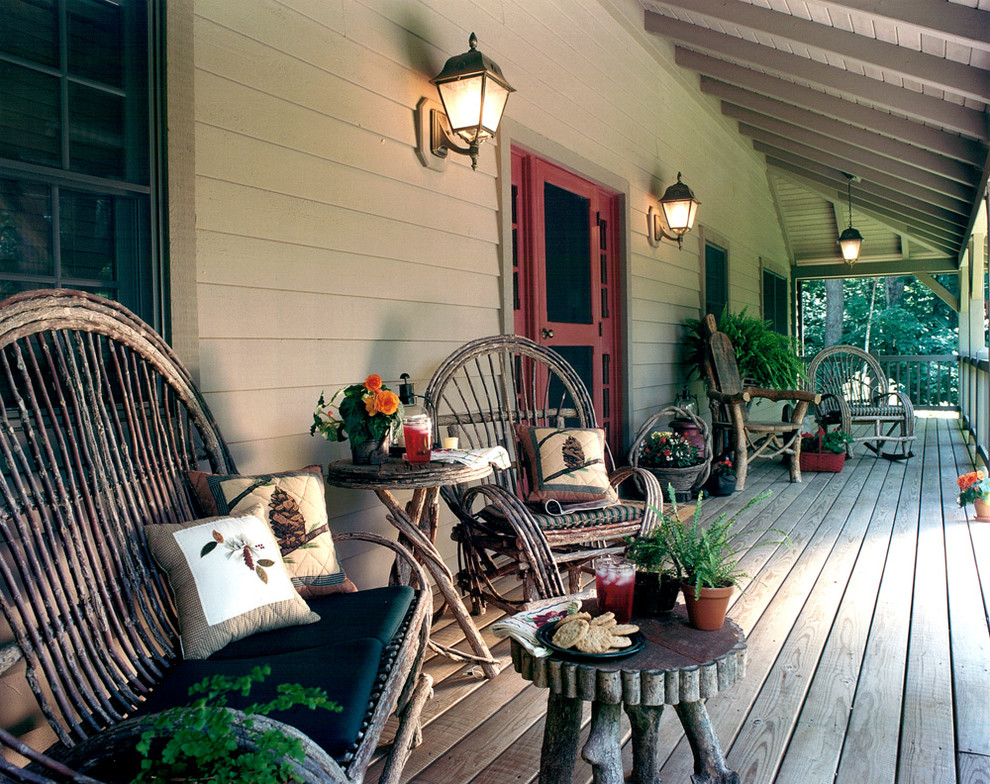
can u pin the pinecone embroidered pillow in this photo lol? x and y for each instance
(296, 510)
(565, 465)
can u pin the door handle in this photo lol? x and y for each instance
(547, 333)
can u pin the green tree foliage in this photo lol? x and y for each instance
(920, 323)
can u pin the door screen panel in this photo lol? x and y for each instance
(568, 256)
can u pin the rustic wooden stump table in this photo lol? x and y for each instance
(679, 666)
(417, 524)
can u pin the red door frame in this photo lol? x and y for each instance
(529, 174)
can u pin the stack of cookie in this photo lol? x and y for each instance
(593, 635)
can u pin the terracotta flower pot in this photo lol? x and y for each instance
(707, 612)
(982, 509)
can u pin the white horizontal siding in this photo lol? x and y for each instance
(325, 251)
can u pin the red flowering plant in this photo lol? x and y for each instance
(834, 441)
(723, 467)
(668, 450)
(972, 487)
(360, 412)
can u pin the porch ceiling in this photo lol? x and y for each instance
(895, 93)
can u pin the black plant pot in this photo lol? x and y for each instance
(655, 594)
(723, 485)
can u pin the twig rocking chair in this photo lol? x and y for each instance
(480, 394)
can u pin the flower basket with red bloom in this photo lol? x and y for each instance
(367, 413)
(824, 451)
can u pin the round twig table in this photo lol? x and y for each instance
(417, 524)
(679, 666)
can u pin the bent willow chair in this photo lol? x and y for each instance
(856, 391)
(480, 394)
(99, 425)
(729, 399)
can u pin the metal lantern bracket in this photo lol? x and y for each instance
(431, 153)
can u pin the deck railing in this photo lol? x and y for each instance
(931, 380)
(974, 401)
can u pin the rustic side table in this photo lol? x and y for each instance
(417, 522)
(679, 666)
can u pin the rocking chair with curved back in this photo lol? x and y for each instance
(750, 439)
(481, 394)
(856, 391)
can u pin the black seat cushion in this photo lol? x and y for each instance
(345, 670)
(375, 613)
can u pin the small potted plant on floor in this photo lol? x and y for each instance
(657, 582)
(723, 479)
(705, 559)
(974, 488)
(824, 451)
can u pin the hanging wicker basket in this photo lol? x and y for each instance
(685, 481)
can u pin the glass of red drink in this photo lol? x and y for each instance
(417, 432)
(615, 579)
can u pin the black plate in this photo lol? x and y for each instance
(545, 633)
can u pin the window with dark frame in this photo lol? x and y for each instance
(775, 301)
(716, 279)
(78, 201)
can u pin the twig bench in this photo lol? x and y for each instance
(99, 427)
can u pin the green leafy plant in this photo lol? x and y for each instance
(668, 450)
(704, 555)
(361, 412)
(723, 467)
(202, 744)
(825, 441)
(766, 358)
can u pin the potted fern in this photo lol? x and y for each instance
(705, 559)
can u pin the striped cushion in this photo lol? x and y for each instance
(619, 513)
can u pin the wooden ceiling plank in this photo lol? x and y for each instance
(787, 114)
(936, 71)
(924, 108)
(784, 134)
(903, 129)
(840, 163)
(949, 21)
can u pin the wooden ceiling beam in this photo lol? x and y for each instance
(921, 107)
(778, 117)
(948, 21)
(893, 199)
(881, 269)
(938, 72)
(743, 86)
(935, 235)
(857, 159)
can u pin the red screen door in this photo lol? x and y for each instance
(565, 265)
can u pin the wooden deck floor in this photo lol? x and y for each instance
(868, 643)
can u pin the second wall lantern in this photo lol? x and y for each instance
(474, 93)
(675, 218)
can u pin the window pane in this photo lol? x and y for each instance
(95, 40)
(716, 280)
(25, 229)
(87, 236)
(30, 30)
(568, 256)
(96, 132)
(29, 116)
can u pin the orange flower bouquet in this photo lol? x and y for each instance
(974, 486)
(360, 413)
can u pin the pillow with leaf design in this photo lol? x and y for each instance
(227, 580)
(296, 509)
(565, 465)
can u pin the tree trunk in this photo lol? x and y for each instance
(894, 291)
(833, 312)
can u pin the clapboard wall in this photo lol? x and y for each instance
(321, 250)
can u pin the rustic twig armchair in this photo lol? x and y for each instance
(729, 398)
(856, 391)
(99, 425)
(480, 394)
